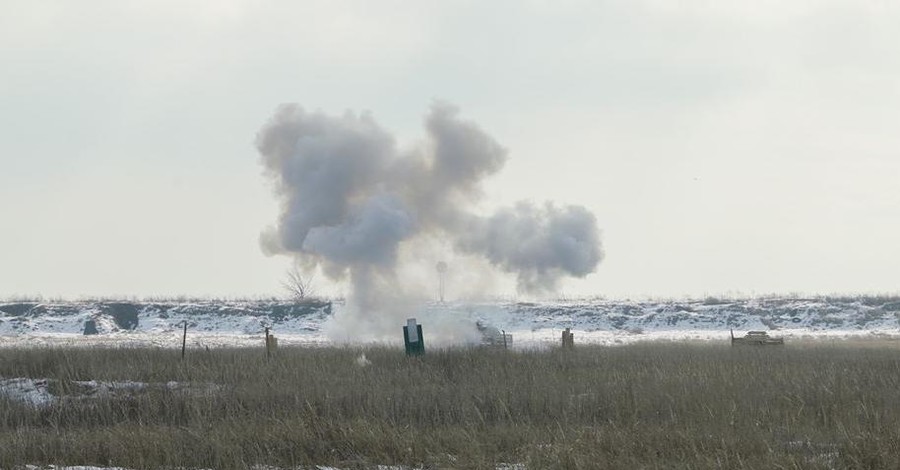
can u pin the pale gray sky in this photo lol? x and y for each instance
(724, 146)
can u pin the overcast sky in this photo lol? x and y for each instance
(725, 147)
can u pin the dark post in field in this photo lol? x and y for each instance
(568, 339)
(412, 338)
(268, 349)
(184, 340)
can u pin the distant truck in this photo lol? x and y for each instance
(756, 338)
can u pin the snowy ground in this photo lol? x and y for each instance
(36, 392)
(532, 324)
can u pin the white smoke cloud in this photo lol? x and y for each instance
(350, 199)
(540, 244)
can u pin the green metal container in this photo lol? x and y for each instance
(414, 343)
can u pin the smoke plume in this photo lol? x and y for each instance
(351, 200)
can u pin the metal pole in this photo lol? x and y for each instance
(184, 340)
(268, 353)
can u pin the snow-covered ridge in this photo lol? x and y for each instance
(246, 317)
(750, 314)
(239, 323)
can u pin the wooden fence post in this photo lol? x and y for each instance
(568, 339)
(184, 340)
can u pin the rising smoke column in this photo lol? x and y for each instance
(350, 199)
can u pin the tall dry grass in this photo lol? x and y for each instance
(641, 406)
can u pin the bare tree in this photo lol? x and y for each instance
(298, 285)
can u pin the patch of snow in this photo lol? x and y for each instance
(110, 389)
(75, 467)
(32, 392)
(35, 392)
(362, 361)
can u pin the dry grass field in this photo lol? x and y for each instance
(655, 405)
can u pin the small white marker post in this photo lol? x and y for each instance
(411, 327)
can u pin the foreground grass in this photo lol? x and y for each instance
(641, 406)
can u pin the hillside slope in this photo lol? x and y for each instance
(216, 323)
